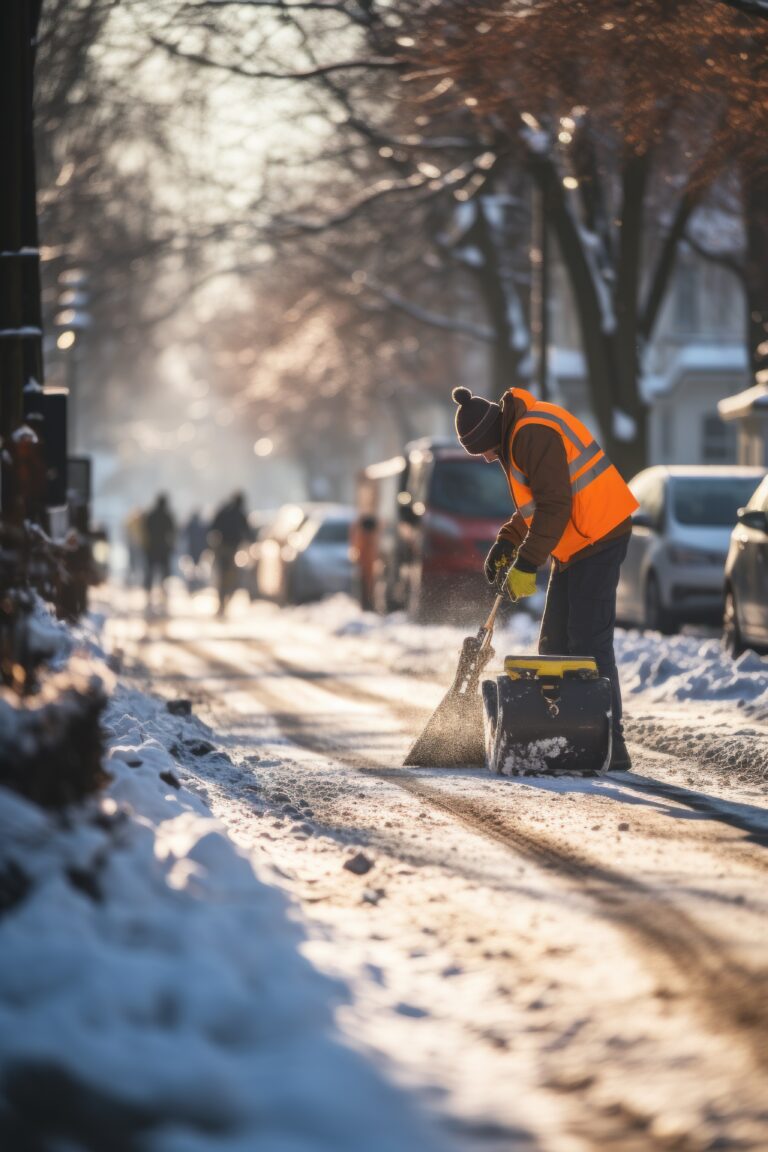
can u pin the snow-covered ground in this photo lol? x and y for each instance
(153, 991)
(562, 964)
(453, 959)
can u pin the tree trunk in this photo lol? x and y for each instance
(505, 356)
(20, 308)
(596, 341)
(755, 200)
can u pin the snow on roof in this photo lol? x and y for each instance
(694, 359)
(567, 362)
(752, 400)
(707, 470)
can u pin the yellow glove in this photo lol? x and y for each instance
(520, 584)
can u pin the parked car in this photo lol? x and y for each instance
(317, 557)
(247, 559)
(435, 512)
(374, 539)
(270, 575)
(674, 570)
(745, 612)
(304, 553)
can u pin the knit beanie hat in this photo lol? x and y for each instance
(478, 422)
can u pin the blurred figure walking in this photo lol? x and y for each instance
(195, 538)
(159, 541)
(229, 529)
(133, 528)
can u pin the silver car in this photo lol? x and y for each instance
(745, 617)
(317, 558)
(674, 570)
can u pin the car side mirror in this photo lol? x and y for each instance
(642, 520)
(753, 518)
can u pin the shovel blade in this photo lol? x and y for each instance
(452, 736)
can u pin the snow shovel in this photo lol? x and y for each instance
(454, 732)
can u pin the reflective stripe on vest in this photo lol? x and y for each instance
(593, 515)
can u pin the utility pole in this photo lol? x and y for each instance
(22, 399)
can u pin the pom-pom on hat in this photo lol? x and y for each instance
(478, 422)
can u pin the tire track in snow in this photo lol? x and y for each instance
(731, 997)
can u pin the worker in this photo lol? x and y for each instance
(571, 504)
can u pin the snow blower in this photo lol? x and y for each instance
(454, 732)
(545, 716)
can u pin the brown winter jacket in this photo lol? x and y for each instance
(540, 454)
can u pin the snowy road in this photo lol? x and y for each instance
(548, 964)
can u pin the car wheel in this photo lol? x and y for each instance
(656, 617)
(732, 641)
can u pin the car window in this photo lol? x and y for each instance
(758, 501)
(470, 488)
(332, 532)
(710, 501)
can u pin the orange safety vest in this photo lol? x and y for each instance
(600, 498)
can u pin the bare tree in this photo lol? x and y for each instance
(624, 115)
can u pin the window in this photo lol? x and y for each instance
(471, 488)
(710, 501)
(332, 532)
(759, 498)
(718, 441)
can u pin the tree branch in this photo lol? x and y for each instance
(723, 259)
(415, 311)
(268, 74)
(436, 187)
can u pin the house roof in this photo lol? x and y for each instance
(695, 359)
(752, 402)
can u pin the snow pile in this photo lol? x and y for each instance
(688, 668)
(47, 638)
(152, 991)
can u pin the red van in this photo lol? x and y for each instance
(434, 513)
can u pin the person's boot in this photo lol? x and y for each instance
(621, 761)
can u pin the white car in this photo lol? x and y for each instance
(674, 570)
(317, 557)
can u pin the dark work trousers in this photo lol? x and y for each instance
(580, 614)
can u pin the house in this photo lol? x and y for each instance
(747, 412)
(697, 358)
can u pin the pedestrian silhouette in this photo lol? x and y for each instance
(159, 542)
(229, 529)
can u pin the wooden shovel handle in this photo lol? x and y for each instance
(487, 628)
